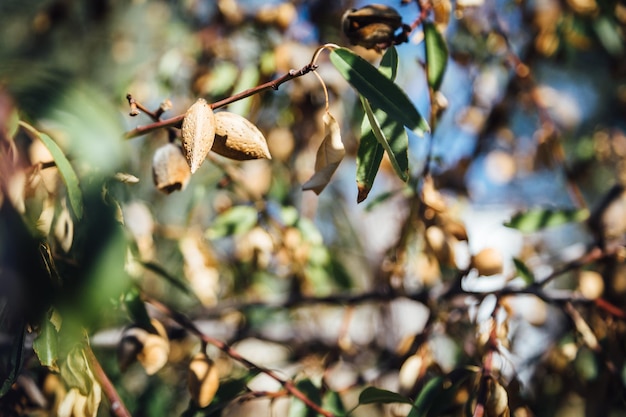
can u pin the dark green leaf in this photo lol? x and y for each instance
(436, 55)
(381, 92)
(438, 393)
(391, 136)
(65, 169)
(523, 271)
(236, 220)
(10, 364)
(368, 159)
(389, 64)
(371, 395)
(300, 409)
(46, 343)
(332, 402)
(537, 219)
(175, 281)
(137, 309)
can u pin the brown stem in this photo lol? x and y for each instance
(177, 120)
(287, 384)
(117, 406)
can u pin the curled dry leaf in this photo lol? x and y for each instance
(198, 133)
(329, 155)
(238, 138)
(203, 379)
(169, 169)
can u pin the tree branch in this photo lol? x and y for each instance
(287, 384)
(117, 405)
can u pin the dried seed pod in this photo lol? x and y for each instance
(497, 403)
(198, 133)
(590, 284)
(169, 169)
(237, 138)
(203, 379)
(150, 349)
(488, 262)
(372, 26)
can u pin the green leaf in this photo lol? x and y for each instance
(438, 393)
(368, 159)
(608, 33)
(137, 309)
(236, 220)
(389, 63)
(10, 364)
(436, 55)
(65, 169)
(300, 409)
(45, 344)
(523, 271)
(537, 219)
(391, 136)
(332, 402)
(381, 92)
(175, 281)
(371, 395)
(370, 152)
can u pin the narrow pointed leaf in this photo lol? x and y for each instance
(438, 394)
(370, 152)
(45, 344)
(329, 155)
(537, 219)
(436, 55)
(297, 407)
(380, 91)
(371, 395)
(523, 271)
(368, 159)
(70, 179)
(391, 136)
(389, 64)
(11, 362)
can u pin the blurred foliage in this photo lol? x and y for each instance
(485, 276)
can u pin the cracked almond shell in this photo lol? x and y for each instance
(238, 138)
(198, 133)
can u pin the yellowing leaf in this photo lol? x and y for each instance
(329, 155)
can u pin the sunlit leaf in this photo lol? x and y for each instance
(608, 33)
(523, 271)
(236, 220)
(381, 92)
(436, 55)
(46, 342)
(371, 395)
(329, 155)
(65, 169)
(300, 409)
(370, 152)
(332, 402)
(175, 281)
(391, 136)
(368, 159)
(537, 219)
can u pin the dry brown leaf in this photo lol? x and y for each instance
(329, 155)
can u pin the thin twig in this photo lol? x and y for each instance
(117, 406)
(177, 120)
(287, 384)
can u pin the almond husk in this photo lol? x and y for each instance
(198, 133)
(203, 379)
(170, 170)
(238, 138)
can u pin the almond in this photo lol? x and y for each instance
(203, 379)
(198, 133)
(238, 138)
(170, 170)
